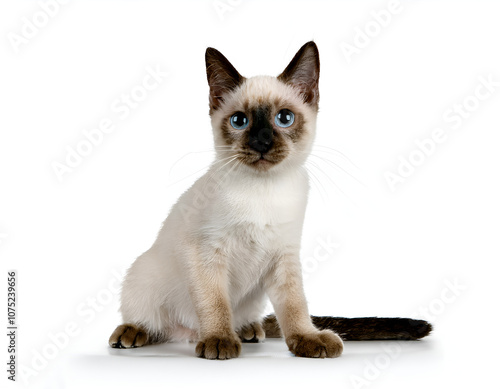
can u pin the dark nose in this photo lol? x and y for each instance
(261, 140)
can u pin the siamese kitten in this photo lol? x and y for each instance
(233, 239)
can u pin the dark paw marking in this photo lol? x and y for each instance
(128, 336)
(252, 333)
(322, 344)
(223, 347)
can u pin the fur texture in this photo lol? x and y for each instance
(234, 237)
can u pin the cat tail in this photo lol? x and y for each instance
(361, 328)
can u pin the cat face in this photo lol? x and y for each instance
(266, 123)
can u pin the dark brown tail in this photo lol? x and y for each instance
(361, 328)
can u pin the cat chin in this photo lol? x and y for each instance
(262, 164)
(258, 163)
(266, 168)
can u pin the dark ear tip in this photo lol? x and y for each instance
(311, 45)
(211, 53)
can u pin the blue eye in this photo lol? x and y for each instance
(239, 121)
(284, 118)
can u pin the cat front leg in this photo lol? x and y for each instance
(209, 291)
(285, 290)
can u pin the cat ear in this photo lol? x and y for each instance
(303, 73)
(222, 77)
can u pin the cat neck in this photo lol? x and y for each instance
(240, 177)
(260, 198)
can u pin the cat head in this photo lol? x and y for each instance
(266, 123)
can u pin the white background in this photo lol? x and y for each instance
(397, 251)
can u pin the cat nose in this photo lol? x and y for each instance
(261, 140)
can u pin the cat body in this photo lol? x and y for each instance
(253, 233)
(233, 239)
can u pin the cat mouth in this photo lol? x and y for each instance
(257, 161)
(262, 161)
(265, 161)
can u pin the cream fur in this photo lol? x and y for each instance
(230, 240)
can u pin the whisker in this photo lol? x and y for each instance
(212, 175)
(318, 184)
(327, 176)
(335, 152)
(185, 155)
(331, 180)
(229, 171)
(337, 166)
(203, 168)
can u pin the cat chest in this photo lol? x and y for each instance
(252, 235)
(267, 210)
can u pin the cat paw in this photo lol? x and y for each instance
(128, 336)
(322, 344)
(252, 333)
(219, 347)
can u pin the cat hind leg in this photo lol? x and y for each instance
(252, 333)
